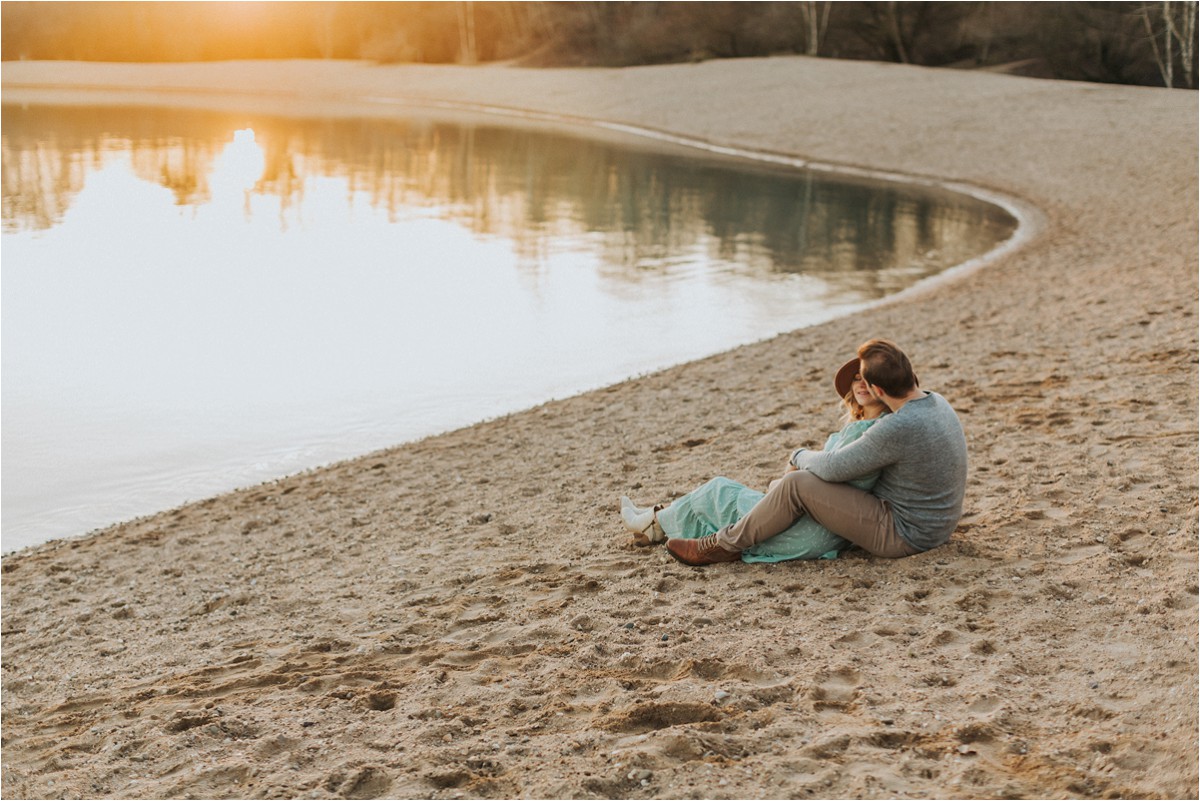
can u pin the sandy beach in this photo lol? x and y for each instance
(465, 616)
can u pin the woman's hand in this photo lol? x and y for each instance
(791, 468)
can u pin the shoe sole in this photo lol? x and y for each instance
(683, 561)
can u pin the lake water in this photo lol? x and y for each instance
(195, 301)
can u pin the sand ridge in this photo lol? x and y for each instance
(464, 616)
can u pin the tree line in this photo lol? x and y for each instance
(1145, 43)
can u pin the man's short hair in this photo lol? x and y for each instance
(885, 366)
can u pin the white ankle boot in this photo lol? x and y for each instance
(642, 522)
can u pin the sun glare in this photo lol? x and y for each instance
(240, 165)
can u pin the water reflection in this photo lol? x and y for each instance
(511, 183)
(195, 301)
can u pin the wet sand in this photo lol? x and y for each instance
(465, 617)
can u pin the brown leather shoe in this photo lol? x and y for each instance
(704, 551)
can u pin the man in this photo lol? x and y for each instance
(921, 454)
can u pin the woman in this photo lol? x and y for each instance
(722, 502)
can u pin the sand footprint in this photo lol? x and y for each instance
(359, 782)
(647, 717)
(1080, 553)
(835, 692)
(212, 783)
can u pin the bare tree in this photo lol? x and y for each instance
(468, 52)
(815, 17)
(1186, 33)
(893, 23)
(1178, 30)
(324, 27)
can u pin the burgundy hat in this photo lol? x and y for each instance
(845, 377)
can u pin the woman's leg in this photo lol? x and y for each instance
(641, 522)
(707, 509)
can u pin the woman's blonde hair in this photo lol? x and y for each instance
(854, 410)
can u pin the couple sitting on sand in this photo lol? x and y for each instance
(891, 481)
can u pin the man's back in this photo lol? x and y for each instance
(926, 483)
(922, 454)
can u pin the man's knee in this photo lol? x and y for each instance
(797, 487)
(800, 482)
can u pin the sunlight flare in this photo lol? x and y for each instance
(240, 165)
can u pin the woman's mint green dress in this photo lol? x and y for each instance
(722, 502)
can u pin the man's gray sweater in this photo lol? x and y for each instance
(921, 454)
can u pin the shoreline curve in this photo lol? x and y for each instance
(1029, 220)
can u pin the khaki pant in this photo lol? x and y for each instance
(846, 511)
